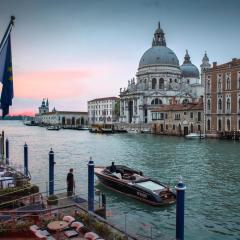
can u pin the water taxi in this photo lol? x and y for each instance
(134, 184)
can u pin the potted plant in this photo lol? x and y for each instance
(52, 200)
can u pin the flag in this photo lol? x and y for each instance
(6, 76)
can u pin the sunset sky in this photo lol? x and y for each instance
(73, 51)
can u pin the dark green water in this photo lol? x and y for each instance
(210, 169)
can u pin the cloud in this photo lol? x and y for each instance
(52, 84)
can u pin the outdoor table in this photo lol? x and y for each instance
(57, 226)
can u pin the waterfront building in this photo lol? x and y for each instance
(160, 80)
(178, 119)
(62, 118)
(222, 99)
(103, 110)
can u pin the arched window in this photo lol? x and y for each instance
(228, 104)
(154, 82)
(161, 83)
(208, 104)
(63, 121)
(228, 83)
(219, 104)
(219, 84)
(73, 120)
(82, 121)
(156, 101)
(228, 125)
(208, 125)
(191, 128)
(176, 81)
(208, 85)
(219, 125)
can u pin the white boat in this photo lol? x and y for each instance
(52, 127)
(195, 136)
(133, 130)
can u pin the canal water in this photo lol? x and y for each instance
(210, 169)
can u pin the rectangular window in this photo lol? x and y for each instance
(177, 116)
(173, 127)
(191, 114)
(199, 116)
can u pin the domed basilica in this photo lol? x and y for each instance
(160, 80)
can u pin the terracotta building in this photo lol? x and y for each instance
(222, 99)
(178, 119)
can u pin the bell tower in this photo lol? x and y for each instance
(44, 108)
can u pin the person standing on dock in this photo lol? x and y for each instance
(70, 182)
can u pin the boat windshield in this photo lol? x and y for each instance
(151, 185)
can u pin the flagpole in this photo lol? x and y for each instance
(9, 28)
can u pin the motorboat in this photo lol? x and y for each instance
(134, 184)
(195, 136)
(82, 128)
(53, 127)
(133, 130)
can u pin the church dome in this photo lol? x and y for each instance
(188, 69)
(159, 53)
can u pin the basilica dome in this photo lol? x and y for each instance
(159, 55)
(188, 69)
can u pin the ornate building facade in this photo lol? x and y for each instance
(103, 110)
(160, 80)
(222, 99)
(61, 118)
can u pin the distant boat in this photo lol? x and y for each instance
(195, 136)
(134, 184)
(145, 130)
(30, 123)
(82, 128)
(53, 127)
(133, 130)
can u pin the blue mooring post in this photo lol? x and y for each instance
(91, 185)
(180, 210)
(25, 159)
(7, 152)
(51, 172)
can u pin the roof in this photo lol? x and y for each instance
(103, 99)
(179, 107)
(159, 55)
(65, 112)
(235, 63)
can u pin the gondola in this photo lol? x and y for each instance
(134, 184)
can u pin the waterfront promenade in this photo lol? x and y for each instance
(210, 169)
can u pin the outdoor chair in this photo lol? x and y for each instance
(34, 228)
(68, 219)
(77, 225)
(91, 236)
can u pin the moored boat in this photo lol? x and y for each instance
(195, 136)
(134, 184)
(53, 127)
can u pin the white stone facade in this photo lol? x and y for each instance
(103, 110)
(159, 80)
(61, 118)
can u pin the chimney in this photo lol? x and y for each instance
(214, 64)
